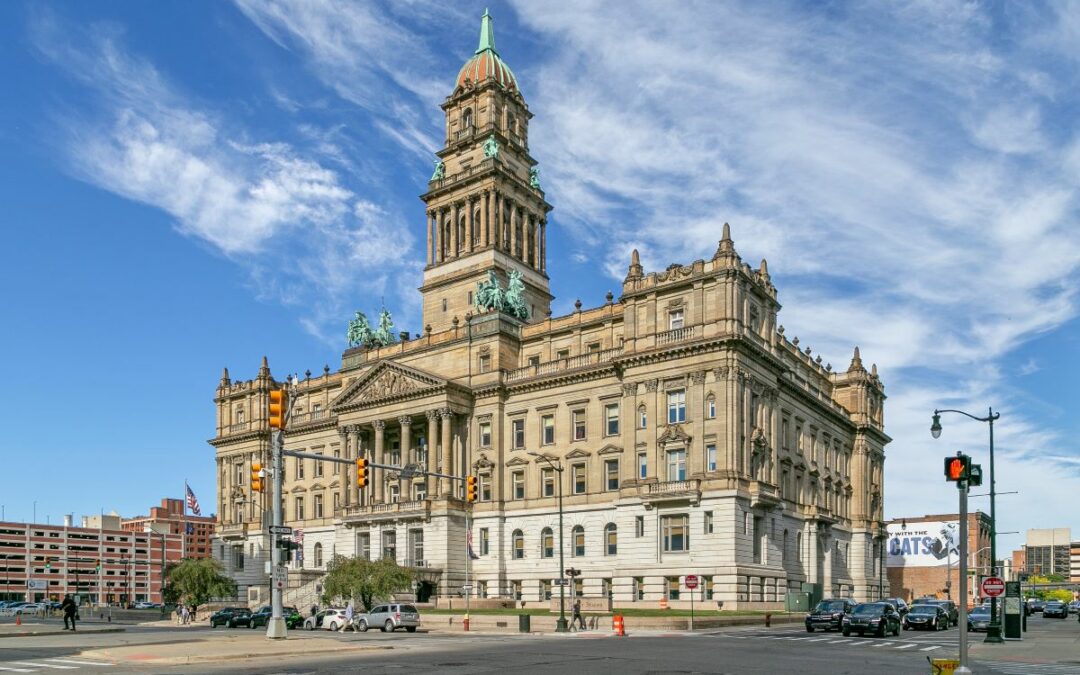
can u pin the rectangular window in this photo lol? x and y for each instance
(337, 466)
(643, 418)
(676, 406)
(484, 541)
(419, 492)
(518, 430)
(639, 588)
(593, 347)
(675, 319)
(516, 586)
(676, 465)
(710, 408)
(562, 354)
(578, 472)
(643, 464)
(758, 534)
(517, 481)
(547, 430)
(318, 506)
(239, 474)
(611, 473)
(675, 531)
(394, 494)
(579, 425)
(534, 360)
(707, 584)
(708, 522)
(389, 544)
(710, 457)
(639, 526)
(485, 434)
(481, 589)
(485, 363)
(547, 480)
(485, 487)
(318, 468)
(299, 468)
(606, 588)
(579, 587)
(545, 589)
(337, 502)
(299, 512)
(416, 547)
(611, 419)
(673, 588)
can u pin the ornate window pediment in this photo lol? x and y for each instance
(609, 450)
(518, 461)
(674, 433)
(482, 463)
(577, 453)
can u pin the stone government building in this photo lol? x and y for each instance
(694, 436)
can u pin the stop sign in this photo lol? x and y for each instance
(992, 587)
(691, 581)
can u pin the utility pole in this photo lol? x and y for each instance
(275, 628)
(963, 489)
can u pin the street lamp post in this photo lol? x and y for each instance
(560, 626)
(993, 631)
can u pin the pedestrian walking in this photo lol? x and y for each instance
(68, 607)
(577, 614)
(314, 610)
(348, 618)
(179, 614)
(185, 615)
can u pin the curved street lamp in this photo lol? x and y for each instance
(560, 626)
(993, 631)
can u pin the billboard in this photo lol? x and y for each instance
(927, 544)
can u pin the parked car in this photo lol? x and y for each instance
(898, 604)
(330, 618)
(880, 618)
(32, 608)
(979, 619)
(1037, 605)
(147, 605)
(293, 618)
(926, 616)
(949, 606)
(390, 617)
(230, 617)
(1056, 608)
(828, 614)
(1074, 607)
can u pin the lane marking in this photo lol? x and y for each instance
(41, 665)
(930, 649)
(839, 642)
(908, 646)
(79, 663)
(16, 670)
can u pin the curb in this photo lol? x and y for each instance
(209, 658)
(85, 631)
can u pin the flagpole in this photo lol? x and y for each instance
(183, 522)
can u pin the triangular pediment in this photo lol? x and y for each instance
(518, 461)
(577, 453)
(387, 381)
(609, 449)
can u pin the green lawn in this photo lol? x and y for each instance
(632, 611)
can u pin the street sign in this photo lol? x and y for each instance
(562, 582)
(992, 587)
(280, 529)
(466, 587)
(691, 581)
(279, 577)
(37, 585)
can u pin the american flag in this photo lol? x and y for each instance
(468, 545)
(192, 501)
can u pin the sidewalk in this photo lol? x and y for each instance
(1063, 649)
(53, 628)
(224, 648)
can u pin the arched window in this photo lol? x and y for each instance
(710, 407)
(506, 229)
(518, 540)
(461, 233)
(643, 418)
(466, 119)
(239, 415)
(578, 534)
(318, 555)
(477, 226)
(547, 543)
(611, 539)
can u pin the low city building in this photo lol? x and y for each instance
(923, 556)
(172, 517)
(1049, 551)
(101, 562)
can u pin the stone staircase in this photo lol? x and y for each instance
(306, 593)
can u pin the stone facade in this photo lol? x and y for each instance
(691, 434)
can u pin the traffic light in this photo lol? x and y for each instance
(97, 566)
(361, 472)
(256, 477)
(48, 563)
(957, 468)
(277, 408)
(470, 489)
(975, 475)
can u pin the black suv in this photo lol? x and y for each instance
(230, 617)
(293, 618)
(926, 616)
(879, 618)
(949, 606)
(828, 614)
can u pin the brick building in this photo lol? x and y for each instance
(922, 562)
(100, 561)
(172, 518)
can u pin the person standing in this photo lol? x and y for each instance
(68, 607)
(348, 618)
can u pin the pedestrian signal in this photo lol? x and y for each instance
(957, 468)
(470, 489)
(277, 408)
(256, 477)
(361, 472)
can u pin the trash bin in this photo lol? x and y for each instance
(524, 623)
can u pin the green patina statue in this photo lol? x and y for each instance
(491, 296)
(534, 178)
(440, 171)
(491, 147)
(361, 334)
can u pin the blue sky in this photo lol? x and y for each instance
(188, 186)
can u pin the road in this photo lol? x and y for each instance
(735, 651)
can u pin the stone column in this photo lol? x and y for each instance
(432, 450)
(543, 246)
(404, 486)
(628, 420)
(695, 421)
(453, 231)
(827, 576)
(811, 537)
(378, 474)
(447, 456)
(513, 231)
(489, 216)
(346, 439)
(536, 244)
(468, 225)
(438, 236)
(652, 419)
(430, 238)
(352, 453)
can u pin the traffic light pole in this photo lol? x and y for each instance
(275, 627)
(963, 490)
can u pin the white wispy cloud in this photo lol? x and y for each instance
(307, 240)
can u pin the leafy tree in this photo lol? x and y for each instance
(196, 580)
(364, 581)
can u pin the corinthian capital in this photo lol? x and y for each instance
(405, 421)
(379, 425)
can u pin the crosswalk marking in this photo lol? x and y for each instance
(907, 646)
(930, 649)
(882, 644)
(78, 663)
(840, 642)
(42, 665)
(16, 670)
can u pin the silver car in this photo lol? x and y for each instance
(390, 617)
